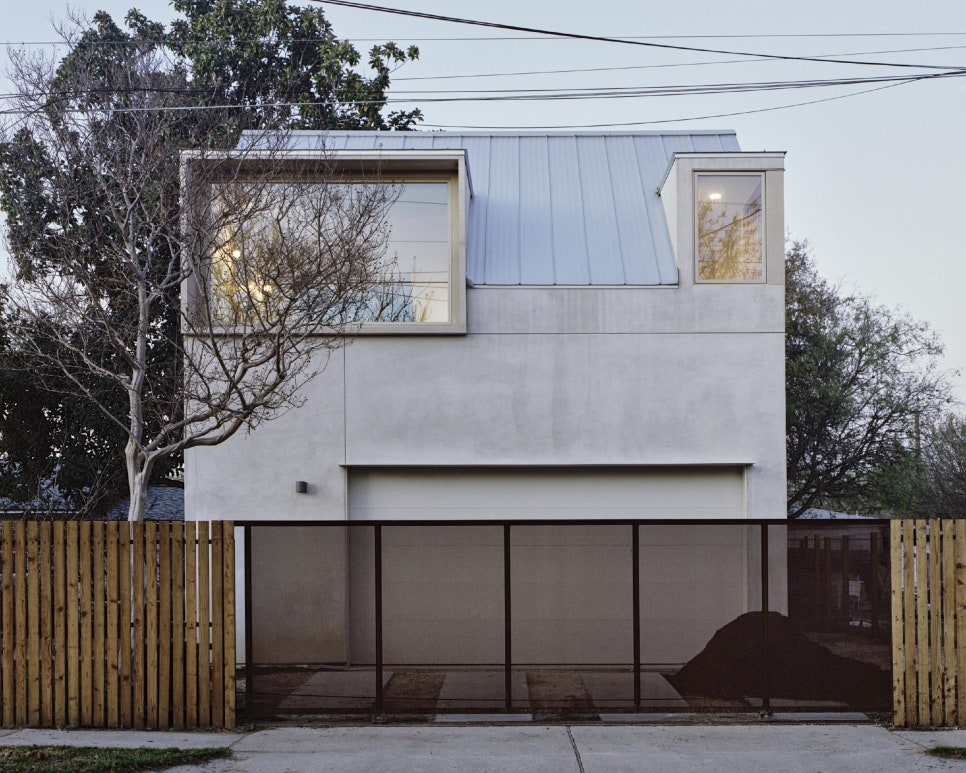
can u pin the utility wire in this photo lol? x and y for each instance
(704, 63)
(604, 39)
(488, 38)
(667, 120)
(497, 95)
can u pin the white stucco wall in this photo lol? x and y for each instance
(692, 375)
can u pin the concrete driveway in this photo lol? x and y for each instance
(767, 748)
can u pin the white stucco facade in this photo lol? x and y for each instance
(603, 401)
(549, 377)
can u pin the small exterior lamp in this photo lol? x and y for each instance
(301, 487)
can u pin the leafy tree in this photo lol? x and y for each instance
(857, 377)
(944, 468)
(89, 182)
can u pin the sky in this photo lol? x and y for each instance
(875, 181)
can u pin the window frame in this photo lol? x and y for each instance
(378, 167)
(763, 215)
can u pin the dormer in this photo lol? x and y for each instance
(725, 215)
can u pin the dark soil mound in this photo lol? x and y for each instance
(730, 666)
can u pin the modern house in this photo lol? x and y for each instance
(591, 335)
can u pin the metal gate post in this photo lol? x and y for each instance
(249, 637)
(636, 595)
(765, 687)
(377, 558)
(507, 630)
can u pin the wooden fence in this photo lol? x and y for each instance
(928, 622)
(107, 624)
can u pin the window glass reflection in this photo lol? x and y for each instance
(729, 228)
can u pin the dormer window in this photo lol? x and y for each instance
(358, 242)
(729, 233)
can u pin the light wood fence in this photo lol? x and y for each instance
(928, 622)
(107, 624)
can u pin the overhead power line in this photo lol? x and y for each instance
(570, 71)
(604, 39)
(502, 95)
(633, 93)
(628, 124)
(490, 38)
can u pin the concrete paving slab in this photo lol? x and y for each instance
(334, 690)
(396, 748)
(350, 762)
(926, 739)
(404, 739)
(655, 717)
(821, 716)
(615, 689)
(478, 689)
(122, 739)
(478, 718)
(750, 749)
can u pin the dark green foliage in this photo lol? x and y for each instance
(943, 468)
(66, 426)
(857, 376)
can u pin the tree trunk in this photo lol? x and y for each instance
(138, 476)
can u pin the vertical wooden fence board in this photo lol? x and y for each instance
(46, 627)
(935, 624)
(33, 624)
(177, 625)
(228, 592)
(86, 634)
(97, 623)
(6, 615)
(138, 681)
(204, 624)
(151, 623)
(191, 626)
(125, 627)
(949, 622)
(909, 619)
(217, 625)
(922, 624)
(899, 715)
(164, 625)
(60, 624)
(20, 613)
(73, 624)
(112, 697)
(960, 602)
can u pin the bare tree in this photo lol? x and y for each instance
(195, 321)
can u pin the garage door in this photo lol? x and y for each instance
(529, 493)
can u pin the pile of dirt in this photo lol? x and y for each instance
(730, 666)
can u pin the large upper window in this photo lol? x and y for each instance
(729, 228)
(347, 251)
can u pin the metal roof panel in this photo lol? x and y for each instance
(558, 208)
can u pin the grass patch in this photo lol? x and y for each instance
(948, 752)
(90, 759)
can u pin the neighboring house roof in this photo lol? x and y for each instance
(558, 208)
(817, 514)
(165, 503)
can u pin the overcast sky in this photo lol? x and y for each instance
(875, 181)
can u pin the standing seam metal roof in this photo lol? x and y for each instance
(557, 208)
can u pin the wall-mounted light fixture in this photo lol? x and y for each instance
(301, 487)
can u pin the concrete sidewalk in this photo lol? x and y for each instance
(554, 748)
